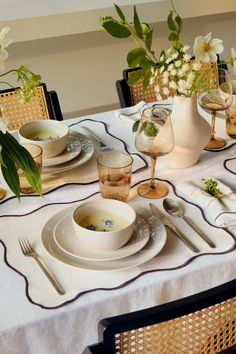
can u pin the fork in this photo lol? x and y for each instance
(103, 146)
(28, 251)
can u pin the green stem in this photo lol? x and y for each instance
(8, 72)
(133, 35)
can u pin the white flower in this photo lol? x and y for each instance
(177, 63)
(166, 91)
(206, 49)
(233, 59)
(152, 80)
(165, 80)
(185, 67)
(4, 43)
(191, 76)
(196, 66)
(170, 67)
(159, 97)
(173, 85)
(162, 69)
(186, 57)
(185, 48)
(174, 56)
(173, 72)
(157, 89)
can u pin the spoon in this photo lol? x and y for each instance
(174, 208)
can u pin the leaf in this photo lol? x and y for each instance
(134, 57)
(137, 24)
(22, 158)
(143, 127)
(136, 76)
(116, 29)
(10, 174)
(146, 81)
(119, 12)
(145, 63)
(170, 22)
(135, 126)
(179, 22)
(173, 37)
(148, 40)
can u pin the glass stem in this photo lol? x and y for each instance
(213, 122)
(153, 166)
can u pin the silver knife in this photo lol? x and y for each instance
(168, 223)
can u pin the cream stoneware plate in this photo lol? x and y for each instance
(65, 239)
(87, 150)
(154, 245)
(65, 156)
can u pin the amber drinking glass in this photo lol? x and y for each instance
(215, 100)
(154, 138)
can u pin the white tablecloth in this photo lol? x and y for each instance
(28, 328)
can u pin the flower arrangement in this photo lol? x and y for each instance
(173, 73)
(12, 154)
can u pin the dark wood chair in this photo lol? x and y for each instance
(44, 105)
(204, 323)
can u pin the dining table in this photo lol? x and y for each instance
(34, 317)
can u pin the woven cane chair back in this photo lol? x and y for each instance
(39, 107)
(204, 323)
(208, 331)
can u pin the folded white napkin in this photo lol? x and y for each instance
(132, 113)
(221, 210)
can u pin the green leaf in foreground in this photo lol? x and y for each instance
(135, 126)
(9, 173)
(18, 155)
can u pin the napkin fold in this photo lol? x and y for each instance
(221, 210)
(132, 113)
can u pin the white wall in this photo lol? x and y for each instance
(83, 67)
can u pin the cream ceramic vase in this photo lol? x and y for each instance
(191, 133)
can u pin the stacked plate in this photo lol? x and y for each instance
(60, 241)
(78, 151)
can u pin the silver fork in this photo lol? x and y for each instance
(103, 146)
(28, 251)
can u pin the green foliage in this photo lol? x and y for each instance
(13, 156)
(143, 56)
(211, 187)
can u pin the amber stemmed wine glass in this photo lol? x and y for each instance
(154, 138)
(214, 100)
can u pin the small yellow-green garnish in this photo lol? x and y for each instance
(211, 187)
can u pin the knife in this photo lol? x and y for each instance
(167, 222)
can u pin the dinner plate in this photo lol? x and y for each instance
(67, 155)
(154, 245)
(87, 150)
(65, 238)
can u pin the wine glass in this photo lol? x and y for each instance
(154, 138)
(217, 99)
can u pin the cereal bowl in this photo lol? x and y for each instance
(104, 224)
(50, 135)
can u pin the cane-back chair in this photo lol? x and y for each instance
(204, 323)
(44, 105)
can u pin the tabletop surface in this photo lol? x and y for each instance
(69, 326)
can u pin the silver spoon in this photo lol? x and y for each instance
(174, 208)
